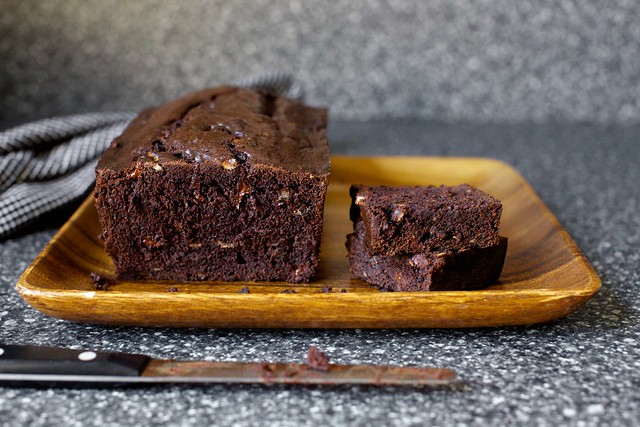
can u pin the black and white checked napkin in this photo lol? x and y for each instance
(50, 164)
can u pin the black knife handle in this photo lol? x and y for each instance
(32, 360)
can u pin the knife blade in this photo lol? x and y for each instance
(32, 365)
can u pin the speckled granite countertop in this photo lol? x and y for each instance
(581, 370)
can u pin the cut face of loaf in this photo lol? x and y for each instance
(223, 184)
(425, 238)
(470, 269)
(410, 220)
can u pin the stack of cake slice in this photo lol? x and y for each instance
(425, 238)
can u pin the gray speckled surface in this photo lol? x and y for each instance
(581, 370)
(497, 60)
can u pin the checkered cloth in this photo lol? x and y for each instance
(50, 164)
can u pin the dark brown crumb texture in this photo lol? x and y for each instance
(470, 269)
(410, 220)
(425, 238)
(222, 184)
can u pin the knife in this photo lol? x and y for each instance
(32, 365)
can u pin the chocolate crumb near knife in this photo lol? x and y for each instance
(266, 372)
(317, 360)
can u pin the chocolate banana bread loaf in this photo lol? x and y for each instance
(222, 184)
(409, 220)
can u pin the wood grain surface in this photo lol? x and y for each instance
(545, 276)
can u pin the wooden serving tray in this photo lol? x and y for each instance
(545, 275)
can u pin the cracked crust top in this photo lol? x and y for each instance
(228, 126)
